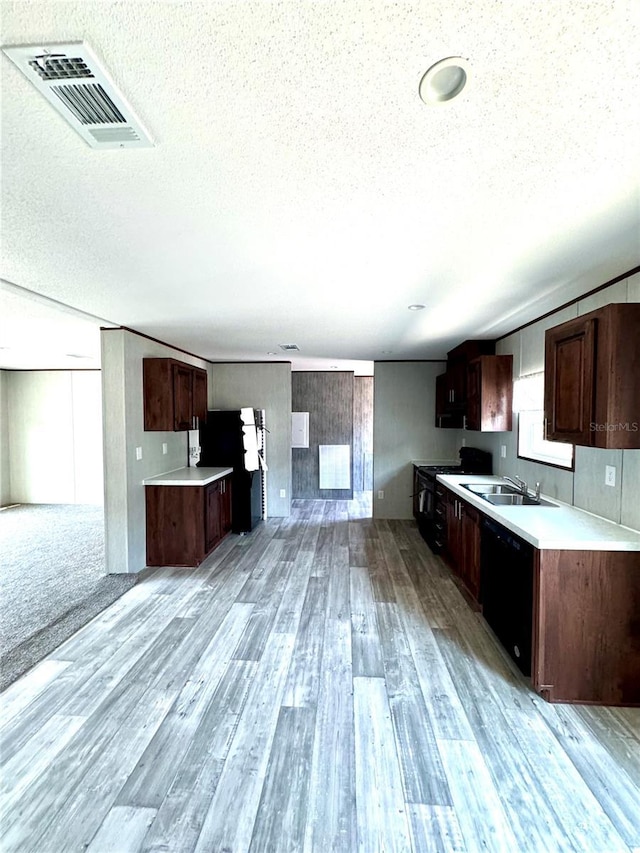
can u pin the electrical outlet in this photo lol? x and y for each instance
(138, 453)
(503, 451)
(381, 495)
(464, 442)
(610, 475)
(164, 448)
(283, 493)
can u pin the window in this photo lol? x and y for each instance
(528, 402)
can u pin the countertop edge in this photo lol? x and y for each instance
(625, 539)
(179, 477)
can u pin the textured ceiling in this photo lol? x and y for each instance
(301, 192)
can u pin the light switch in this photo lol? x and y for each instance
(164, 448)
(503, 451)
(610, 475)
(138, 453)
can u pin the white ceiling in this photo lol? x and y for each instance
(299, 191)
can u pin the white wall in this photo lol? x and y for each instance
(122, 354)
(404, 430)
(583, 487)
(5, 471)
(262, 386)
(54, 427)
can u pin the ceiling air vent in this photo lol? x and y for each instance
(73, 81)
(290, 347)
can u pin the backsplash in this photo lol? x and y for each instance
(585, 487)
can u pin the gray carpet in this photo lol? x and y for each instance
(52, 580)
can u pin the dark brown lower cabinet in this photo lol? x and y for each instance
(586, 626)
(586, 613)
(185, 523)
(463, 542)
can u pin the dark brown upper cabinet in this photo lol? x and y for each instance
(175, 394)
(592, 379)
(446, 415)
(490, 393)
(476, 390)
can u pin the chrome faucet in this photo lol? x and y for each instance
(519, 483)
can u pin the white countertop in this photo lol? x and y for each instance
(188, 477)
(562, 528)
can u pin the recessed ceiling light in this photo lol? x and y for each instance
(415, 307)
(445, 80)
(272, 353)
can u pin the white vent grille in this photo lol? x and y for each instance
(89, 101)
(290, 347)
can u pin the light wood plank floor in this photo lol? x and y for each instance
(320, 685)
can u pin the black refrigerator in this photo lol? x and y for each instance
(224, 439)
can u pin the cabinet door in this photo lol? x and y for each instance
(457, 382)
(157, 383)
(448, 415)
(213, 506)
(453, 532)
(225, 506)
(470, 548)
(182, 397)
(200, 402)
(569, 381)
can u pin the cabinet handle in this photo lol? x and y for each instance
(464, 422)
(545, 429)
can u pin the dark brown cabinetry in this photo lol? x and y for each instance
(447, 415)
(490, 393)
(592, 389)
(175, 394)
(462, 551)
(580, 614)
(185, 523)
(476, 391)
(586, 633)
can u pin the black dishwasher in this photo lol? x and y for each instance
(507, 590)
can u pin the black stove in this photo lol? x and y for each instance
(443, 469)
(427, 511)
(472, 461)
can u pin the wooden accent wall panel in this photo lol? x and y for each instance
(587, 626)
(328, 397)
(362, 433)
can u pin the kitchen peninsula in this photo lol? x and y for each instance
(188, 514)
